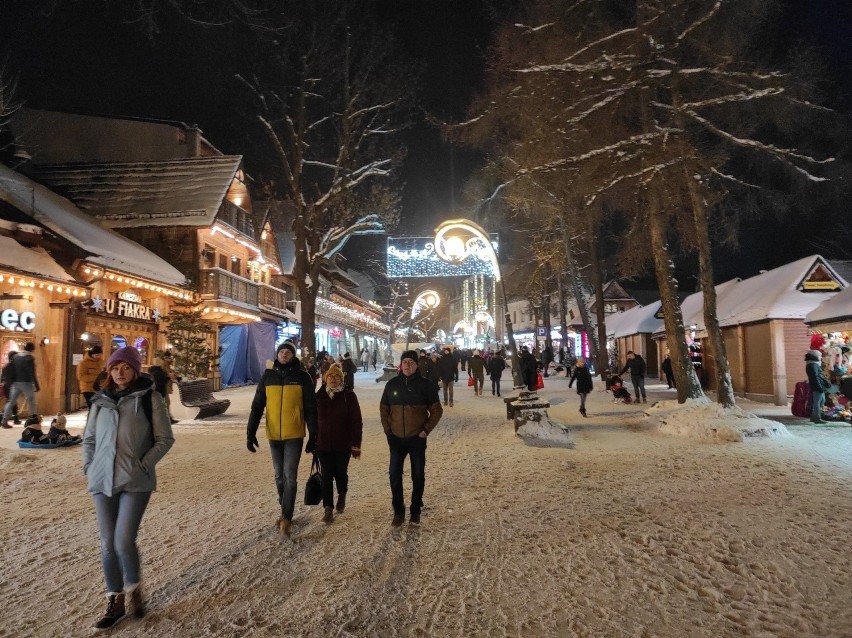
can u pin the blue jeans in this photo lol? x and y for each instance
(400, 447)
(20, 387)
(285, 459)
(818, 400)
(119, 517)
(638, 385)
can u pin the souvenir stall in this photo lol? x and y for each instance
(830, 325)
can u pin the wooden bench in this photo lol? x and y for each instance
(197, 394)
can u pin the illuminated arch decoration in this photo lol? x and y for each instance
(484, 317)
(426, 300)
(455, 249)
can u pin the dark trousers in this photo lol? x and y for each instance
(495, 386)
(670, 379)
(334, 466)
(415, 447)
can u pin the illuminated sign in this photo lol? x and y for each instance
(416, 257)
(127, 295)
(123, 308)
(11, 320)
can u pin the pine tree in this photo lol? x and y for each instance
(188, 333)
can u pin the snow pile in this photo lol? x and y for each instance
(707, 420)
(538, 430)
(11, 458)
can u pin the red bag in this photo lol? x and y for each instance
(802, 400)
(539, 385)
(469, 381)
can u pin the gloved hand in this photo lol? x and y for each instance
(311, 446)
(251, 443)
(356, 452)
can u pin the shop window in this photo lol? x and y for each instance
(223, 262)
(117, 342)
(141, 344)
(237, 266)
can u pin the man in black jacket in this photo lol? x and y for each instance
(409, 410)
(448, 368)
(25, 381)
(636, 365)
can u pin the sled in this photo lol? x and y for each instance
(47, 446)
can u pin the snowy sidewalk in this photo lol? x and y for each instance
(631, 533)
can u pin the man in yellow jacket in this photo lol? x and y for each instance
(286, 392)
(88, 370)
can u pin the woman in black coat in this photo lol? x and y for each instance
(584, 382)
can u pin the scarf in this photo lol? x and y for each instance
(332, 391)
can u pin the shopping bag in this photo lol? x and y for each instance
(539, 385)
(313, 488)
(469, 381)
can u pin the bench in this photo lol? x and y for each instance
(197, 394)
(525, 401)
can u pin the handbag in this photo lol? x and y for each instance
(539, 382)
(313, 488)
(469, 380)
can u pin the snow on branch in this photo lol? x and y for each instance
(336, 237)
(701, 20)
(649, 172)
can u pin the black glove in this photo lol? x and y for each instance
(311, 446)
(251, 442)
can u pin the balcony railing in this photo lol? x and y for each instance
(237, 218)
(220, 284)
(274, 297)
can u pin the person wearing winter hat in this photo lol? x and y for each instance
(339, 428)
(349, 369)
(817, 382)
(122, 445)
(410, 410)
(87, 372)
(58, 432)
(286, 393)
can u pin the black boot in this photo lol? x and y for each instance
(583, 411)
(341, 503)
(114, 612)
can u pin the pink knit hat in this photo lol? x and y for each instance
(128, 355)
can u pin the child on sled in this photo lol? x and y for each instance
(619, 392)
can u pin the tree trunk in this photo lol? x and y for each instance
(687, 383)
(579, 295)
(602, 360)
(724, 383)
(563, 310)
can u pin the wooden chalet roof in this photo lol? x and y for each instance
(181, 192)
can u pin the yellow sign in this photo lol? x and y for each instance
(820, 285)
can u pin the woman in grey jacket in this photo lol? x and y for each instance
(127, 432)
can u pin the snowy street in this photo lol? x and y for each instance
(631, 533)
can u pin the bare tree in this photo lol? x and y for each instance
(647, 100)
(333, 98)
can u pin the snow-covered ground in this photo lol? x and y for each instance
(633, 532)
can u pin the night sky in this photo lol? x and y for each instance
(85, 57)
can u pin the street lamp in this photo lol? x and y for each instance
(470, 239)
(426, 300)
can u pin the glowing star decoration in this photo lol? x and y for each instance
(155, 315)
(97, 304)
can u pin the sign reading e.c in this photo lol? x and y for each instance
(11, 320)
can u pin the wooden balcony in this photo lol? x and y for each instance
(216, 283)
(237, 218)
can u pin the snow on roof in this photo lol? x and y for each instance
(181, 192)
(773, 295)
(637, 320)
(692, 307)
(33, 261)
(834, 310)
(108, 248)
